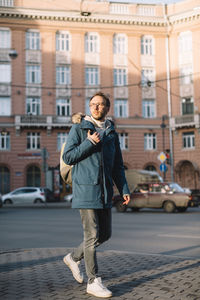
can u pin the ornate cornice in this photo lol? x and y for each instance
(68, 16)
(75, 16)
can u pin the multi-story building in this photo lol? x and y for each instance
(54, 55)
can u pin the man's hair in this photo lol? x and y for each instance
(106, 99)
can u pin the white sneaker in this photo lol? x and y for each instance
(74, 267)
(97, 289)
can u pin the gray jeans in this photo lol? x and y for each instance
(96, 229)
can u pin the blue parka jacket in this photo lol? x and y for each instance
(94, 166)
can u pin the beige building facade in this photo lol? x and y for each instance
(54, 55)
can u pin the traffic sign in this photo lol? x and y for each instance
(162, 157)
(163, 168)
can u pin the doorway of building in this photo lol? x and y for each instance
(187, 175)
(33, 176)
(4, 180)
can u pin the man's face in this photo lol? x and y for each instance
(98, 108)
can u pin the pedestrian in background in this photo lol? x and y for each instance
(93, 149)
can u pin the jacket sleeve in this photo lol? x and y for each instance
(76, 149)
(118, 173)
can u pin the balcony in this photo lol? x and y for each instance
(185, 121)
(41, 121)
(7, 3)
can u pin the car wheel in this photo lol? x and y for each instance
(169, 207)
(38, 201)
(120, 207)
(181, 209)
(8, 201)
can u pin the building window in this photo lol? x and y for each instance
(63, 75)
(121, 108)
(5, 73)
(5, 38)
(62, 41)
(5, 106)
(187, 106)
(150, 168)
(33, 74)
(61, 138)
(91, 76)
(148, 108)
(32, 40)
(120, 77)
(147, 45)
(185, 42)
(149, 141)
(33, 106)
(120, 44)
(63, 107)
(33, 140)
(123, 139)
(188, 140)
(148, 77)
(91, 43)
(186, 75)
(4, 141)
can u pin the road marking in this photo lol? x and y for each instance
(180, 236)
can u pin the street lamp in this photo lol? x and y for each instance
(13, 53)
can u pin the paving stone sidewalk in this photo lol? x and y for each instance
(41, 274)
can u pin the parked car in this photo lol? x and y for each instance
(169, 196)
(25, 195)
(49, 195)
(195, 195)
(68, 197)
(1, 201)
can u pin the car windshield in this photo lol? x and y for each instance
(175, 187)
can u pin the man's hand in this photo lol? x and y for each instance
(94, 137)
(126, 199)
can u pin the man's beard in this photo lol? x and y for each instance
(100, 116)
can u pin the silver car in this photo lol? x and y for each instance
(25, 195)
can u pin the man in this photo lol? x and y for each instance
(93, 149)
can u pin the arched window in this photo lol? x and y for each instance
(4, 180)
(150, 168)
(33, 176)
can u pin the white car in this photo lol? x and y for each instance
(68, 197)
(25, 195)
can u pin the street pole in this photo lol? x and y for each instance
(163, 126)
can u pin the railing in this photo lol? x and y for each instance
(33, 119)
(185, 121)
(7, 3)
(42, 120)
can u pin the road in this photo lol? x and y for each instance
(146, 232)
